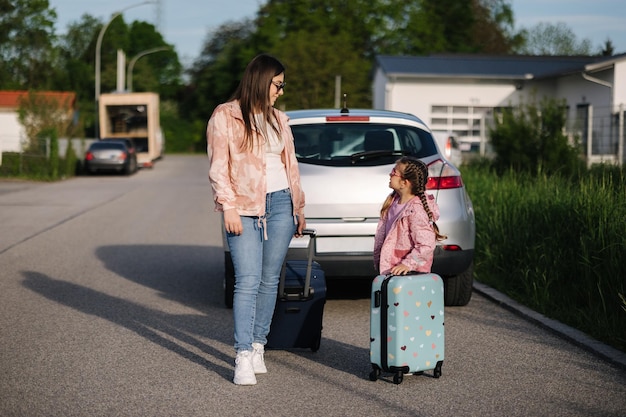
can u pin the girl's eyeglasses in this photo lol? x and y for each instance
(395, 173)
(279, 85)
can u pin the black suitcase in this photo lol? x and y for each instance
(297, 320)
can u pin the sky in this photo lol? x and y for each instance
(187, 23)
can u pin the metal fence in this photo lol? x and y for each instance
(601, 133)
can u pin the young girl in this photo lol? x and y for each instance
(406, 234)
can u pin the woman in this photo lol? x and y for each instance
(256, 185)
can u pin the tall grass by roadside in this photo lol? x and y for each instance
(556, 245)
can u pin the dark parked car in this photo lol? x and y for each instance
(110, 155)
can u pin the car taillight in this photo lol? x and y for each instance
(451, 247)
(442, 176)
(88, 156)
(122, 156)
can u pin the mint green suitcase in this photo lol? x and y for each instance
(406, 325)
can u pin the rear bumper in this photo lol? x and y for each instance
(445, 263)
(105, 166)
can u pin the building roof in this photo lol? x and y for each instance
(513, 67)
(11, 99)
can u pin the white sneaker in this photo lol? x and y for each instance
(258, 362)
(244, 373)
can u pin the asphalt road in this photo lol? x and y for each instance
(111, 304)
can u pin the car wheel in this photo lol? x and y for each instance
(458, 288)
(229, 280)
(128, 168)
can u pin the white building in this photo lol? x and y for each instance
(457, 94)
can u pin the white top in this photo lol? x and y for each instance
(275, 173)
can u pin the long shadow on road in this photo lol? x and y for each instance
(181, 273)
(145, 322)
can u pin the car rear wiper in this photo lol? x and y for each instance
(362, 156)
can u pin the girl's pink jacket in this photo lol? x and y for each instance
(238, 177)
(411, 240)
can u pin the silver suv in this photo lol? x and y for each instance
(345, 157)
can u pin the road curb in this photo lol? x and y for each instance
(577, 337)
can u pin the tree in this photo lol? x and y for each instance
(160, 71)
(318, 41)
(40, 112)
(26, 44)
(608, 49)
(310, 84)
(493, 29)
(76, 65)
(554, 39)
(445, 26)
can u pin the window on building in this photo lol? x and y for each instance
(463, 121)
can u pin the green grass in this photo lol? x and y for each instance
(556, 245)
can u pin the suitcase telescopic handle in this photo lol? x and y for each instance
(309, 266)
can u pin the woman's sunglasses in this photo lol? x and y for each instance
(279, 85)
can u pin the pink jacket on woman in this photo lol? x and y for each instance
(237, 175)
(411, 239)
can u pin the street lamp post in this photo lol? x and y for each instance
(98, 47)
(131, 65)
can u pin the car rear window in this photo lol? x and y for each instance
(345, 144)
(97, 146)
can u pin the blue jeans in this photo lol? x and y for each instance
(258, 264)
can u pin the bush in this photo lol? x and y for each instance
(530, 138)
(53, 161)
(71, 164)
(36, 167)
(30, 166)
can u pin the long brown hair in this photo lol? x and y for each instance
(254, 97)
(416, 173)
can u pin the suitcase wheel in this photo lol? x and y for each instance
(437, 370)
(374, 374)
(398, 377)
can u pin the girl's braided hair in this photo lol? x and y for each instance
(416, 173)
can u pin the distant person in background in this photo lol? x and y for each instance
(407, 233)
(256, 185)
